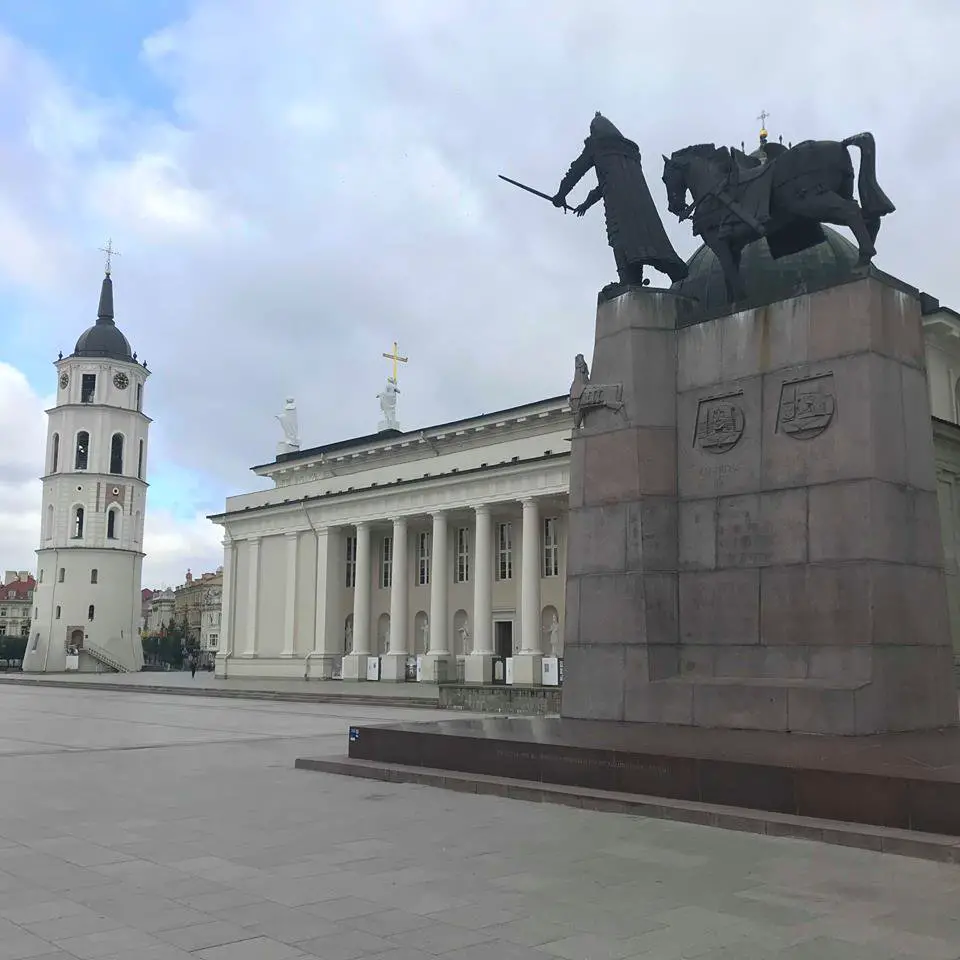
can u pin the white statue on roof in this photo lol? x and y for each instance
(388, 406)
(291, 432)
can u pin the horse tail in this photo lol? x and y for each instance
(873, 201)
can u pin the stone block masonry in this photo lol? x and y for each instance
(754, 537)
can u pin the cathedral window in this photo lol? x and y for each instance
(386, 562)
(504, 551)
(90, 612)
(461, 571)
(350, 543)
(116, 453)
(551, 548)
(112, 524)
(77, 523)
(56, 453)
(88, 387)
(140, 462)
(93, 575)
(423, 559)
(83, 450)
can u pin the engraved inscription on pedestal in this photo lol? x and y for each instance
(806, 407)
(720, 423)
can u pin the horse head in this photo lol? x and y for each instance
(680, 171)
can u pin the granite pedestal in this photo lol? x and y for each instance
(754, 539)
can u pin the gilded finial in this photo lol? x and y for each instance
(763, 125)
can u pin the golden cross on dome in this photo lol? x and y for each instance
(111, 253)
(763, 122)
(396, 358)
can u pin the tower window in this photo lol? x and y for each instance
(88, 387)
(93, 575)
(111, 524)
(57, 615)
(61, 575)
(77, 523)
(83, 450)
(116, 453)
(40, 579)
(90, 612)
(140, 462)
(139, 396)
(56, 453)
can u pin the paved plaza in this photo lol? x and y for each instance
(163, 827)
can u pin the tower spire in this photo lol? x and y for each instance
(105, 310)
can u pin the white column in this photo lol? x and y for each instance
(394, 664)
(355, 664)
(327, 624)
(290, 610)
(225, 647)
(479, 665)
(526, 665)
(436, 664)
(253, 590)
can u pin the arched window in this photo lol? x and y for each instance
(56, 453)
(140, 462)
(83, 450)
(139, 396)
(77, 523)
(90, 612)
(116, 453)
(112, 524)
(93, 575)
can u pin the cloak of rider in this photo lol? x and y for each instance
(634, 228)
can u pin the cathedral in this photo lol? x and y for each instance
(439, 554)
(87, 600)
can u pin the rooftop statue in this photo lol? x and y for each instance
(783, 196)
(634, 228)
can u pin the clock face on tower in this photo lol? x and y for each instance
(121, 381)
(64, 381)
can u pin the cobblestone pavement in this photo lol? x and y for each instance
(156, 828)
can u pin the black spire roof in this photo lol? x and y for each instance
(104, 339)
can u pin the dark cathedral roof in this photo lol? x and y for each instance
(104, 338)
(768, 280)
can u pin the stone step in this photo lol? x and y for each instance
(926, 846)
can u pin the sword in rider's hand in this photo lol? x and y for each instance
(536, 193)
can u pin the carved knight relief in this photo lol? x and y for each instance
(806, 406)
(586, 396)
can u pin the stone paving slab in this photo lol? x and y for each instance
(167, 827)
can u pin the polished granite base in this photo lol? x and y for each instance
(909, 780)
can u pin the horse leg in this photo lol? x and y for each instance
(832, 208)
(730, 264)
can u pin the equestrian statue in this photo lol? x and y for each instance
(785, 198)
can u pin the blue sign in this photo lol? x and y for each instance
(354, 734)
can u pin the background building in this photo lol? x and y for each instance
(197, 605)
(16, 603)
(94, 496)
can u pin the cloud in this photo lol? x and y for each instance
(322, 181)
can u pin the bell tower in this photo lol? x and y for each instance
(94, 499)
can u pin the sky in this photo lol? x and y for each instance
(294, 185)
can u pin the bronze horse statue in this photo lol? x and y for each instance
(738, 199)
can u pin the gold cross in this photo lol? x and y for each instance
(111, 253)
(396, 358)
